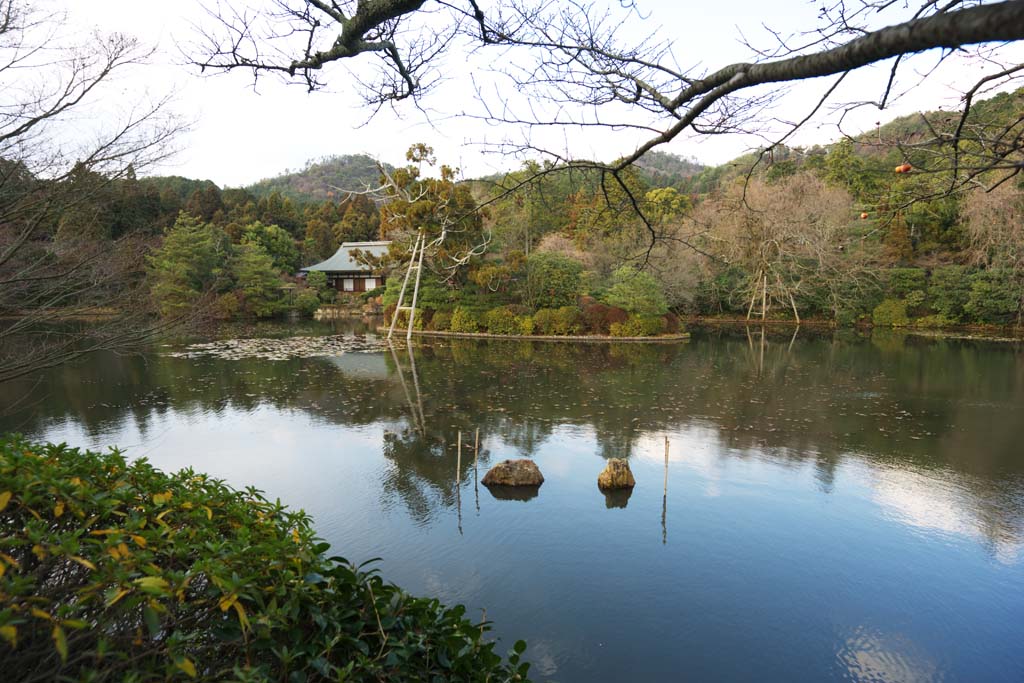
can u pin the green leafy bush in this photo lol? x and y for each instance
(890, 313)
(903, 281)
(441, 321)
(639, 326)
(433, 293)
(567, 320)
(225, 306)
(636, 292)
(464, 320)
(501, 320)
(557, 321)
(553, 280)
(545, 321)
(419, 322)
(307, 301)
(932, 321)
(115, 571)
(915, 299)
(949, 291)
(995, 297)
(317, 279)
(525, 323)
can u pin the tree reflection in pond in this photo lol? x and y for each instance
(861, 472)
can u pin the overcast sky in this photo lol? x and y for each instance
(241, 135)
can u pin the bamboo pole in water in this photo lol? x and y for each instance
(476, 477)
(458, 480)
(664, 500)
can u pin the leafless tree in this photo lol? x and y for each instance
(50, 166)
(579, 69)
(790, 236)
(995, 227)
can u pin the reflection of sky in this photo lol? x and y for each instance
(930, 502)
(941, 505)
(884, 572)
(870, 656)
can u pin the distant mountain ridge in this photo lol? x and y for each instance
(327, 178)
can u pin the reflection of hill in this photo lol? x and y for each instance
(897, 401)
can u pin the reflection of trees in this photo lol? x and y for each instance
(422, 476)
(899, 401)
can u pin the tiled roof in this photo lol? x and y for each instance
(342, 260)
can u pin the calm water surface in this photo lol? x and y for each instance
(836, 509)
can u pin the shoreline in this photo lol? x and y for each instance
(682, 336)
(966, 332)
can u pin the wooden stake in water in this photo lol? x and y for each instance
(476, 478)
(664, 500)
(458, 480)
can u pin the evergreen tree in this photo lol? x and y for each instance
(190, 263)
(257, 280)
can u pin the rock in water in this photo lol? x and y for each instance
(514, 473)
(616, 475)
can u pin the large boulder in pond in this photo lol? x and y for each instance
(521, 472)
(616, 475)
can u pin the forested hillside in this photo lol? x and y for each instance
(328, 178)
(880, 229)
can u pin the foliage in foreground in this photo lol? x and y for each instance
(113, 570)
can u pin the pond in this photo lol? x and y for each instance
(832, 508)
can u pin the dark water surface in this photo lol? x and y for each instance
(836, 509)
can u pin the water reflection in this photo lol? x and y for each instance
(815, 486)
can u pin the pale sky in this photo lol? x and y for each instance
(240, 135)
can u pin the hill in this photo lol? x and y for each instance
(665, 169)
(327, 178)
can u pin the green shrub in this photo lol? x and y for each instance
(639, 326)
(545, 321)
(317, 280)
(932, 321)
(441, 321)
(372, 293)
(307, 301)
(890, 313)
(501, 320)
(903, 281)
(433, 293)
(995, 297)
(553, 280)
(225, 306)
(636, 292)
(915, 299)
(115, 571)
(567, 320)
(949, 291)
(557, 321)
(526, 325)
(419, 321)
(464, 320)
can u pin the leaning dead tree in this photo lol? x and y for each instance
(48, 179)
